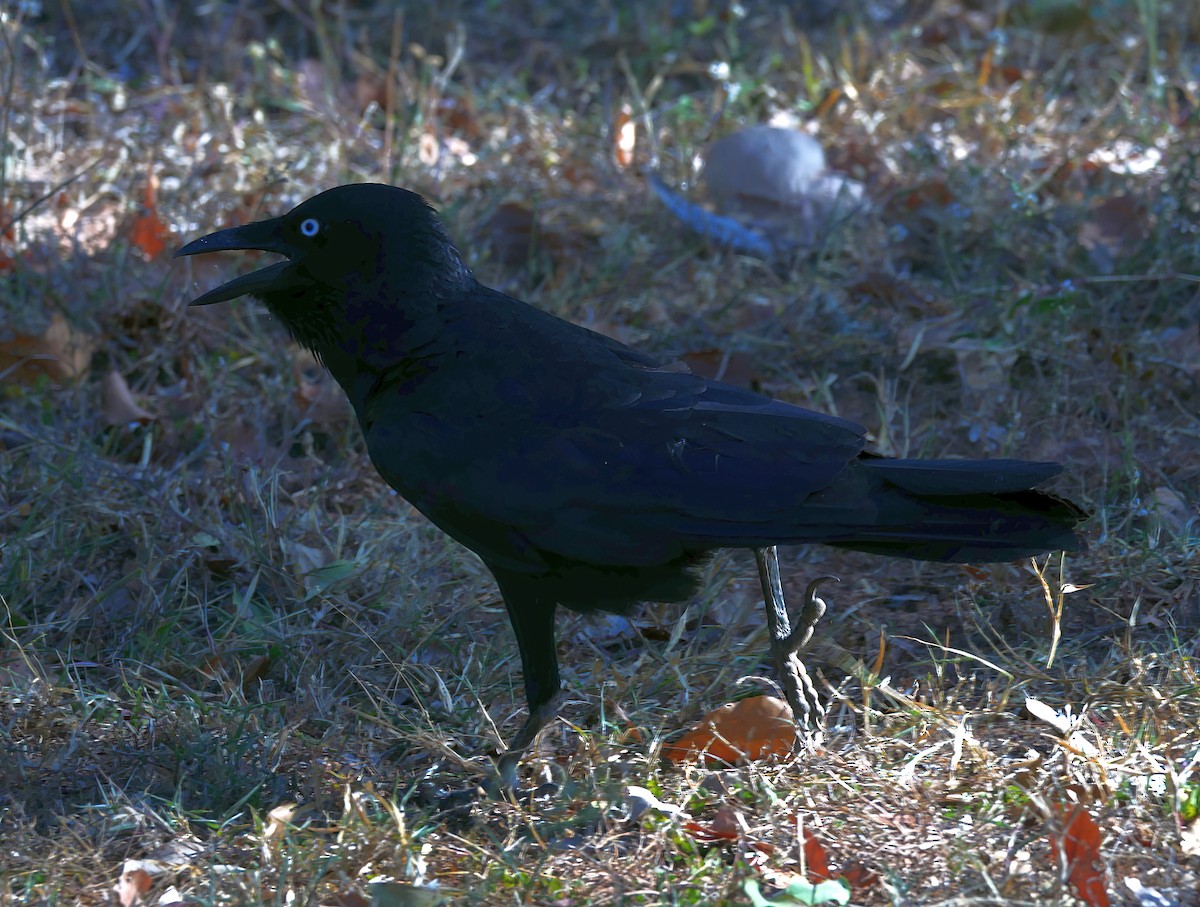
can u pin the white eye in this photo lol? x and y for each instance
(310, 227)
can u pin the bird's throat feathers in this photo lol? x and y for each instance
(380, 324)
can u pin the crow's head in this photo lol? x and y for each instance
(345, 240)
(363, 265)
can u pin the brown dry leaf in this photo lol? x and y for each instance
(148, 233)
(1171, 511)
(317, 395)
(511, 234)
(60, 353)
(119, 406)
(816, 858)
(457, 115)
(727, 825)
(16, 670)
(709, 833)
(133, 884)
(983, 370)
(370, 88)
(859, 876)
(1080, 843)
(749, 729)
(933, 193)
(625, 135)
(730, 366)
(728, 821)
(323, 403)
(1115, 228)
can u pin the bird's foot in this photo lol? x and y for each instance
(501, 782)
(787, 642)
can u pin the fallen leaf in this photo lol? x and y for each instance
(457, 115)
(859, 876)
(119, 406)
(625, 134)
(133, 884)
(707, 833)
(983, 369)
(730, 366)
(747, 730)
(511, 234)
(60, 353)
(1171, 511)
(322, 401)
(1115, 228)
(1079, 841)
(816, 859)
(148, 233)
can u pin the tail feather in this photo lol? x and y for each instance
(964, 511)
(947, 477)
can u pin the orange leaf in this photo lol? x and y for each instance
(1080, 842)
(134, 883)
(816, 858)
(858, 875)
(625, 132)
(148, 233)
(750, 729)
(707, 834)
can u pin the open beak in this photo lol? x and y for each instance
(265, 236)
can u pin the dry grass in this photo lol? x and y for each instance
(219, 609)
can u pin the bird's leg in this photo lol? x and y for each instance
(505, 777)
(533, 622)
(787, 642)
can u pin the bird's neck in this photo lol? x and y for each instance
(361, 335)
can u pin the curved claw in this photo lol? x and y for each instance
(813, 610)
(810, 594)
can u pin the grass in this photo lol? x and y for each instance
(231, 652)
